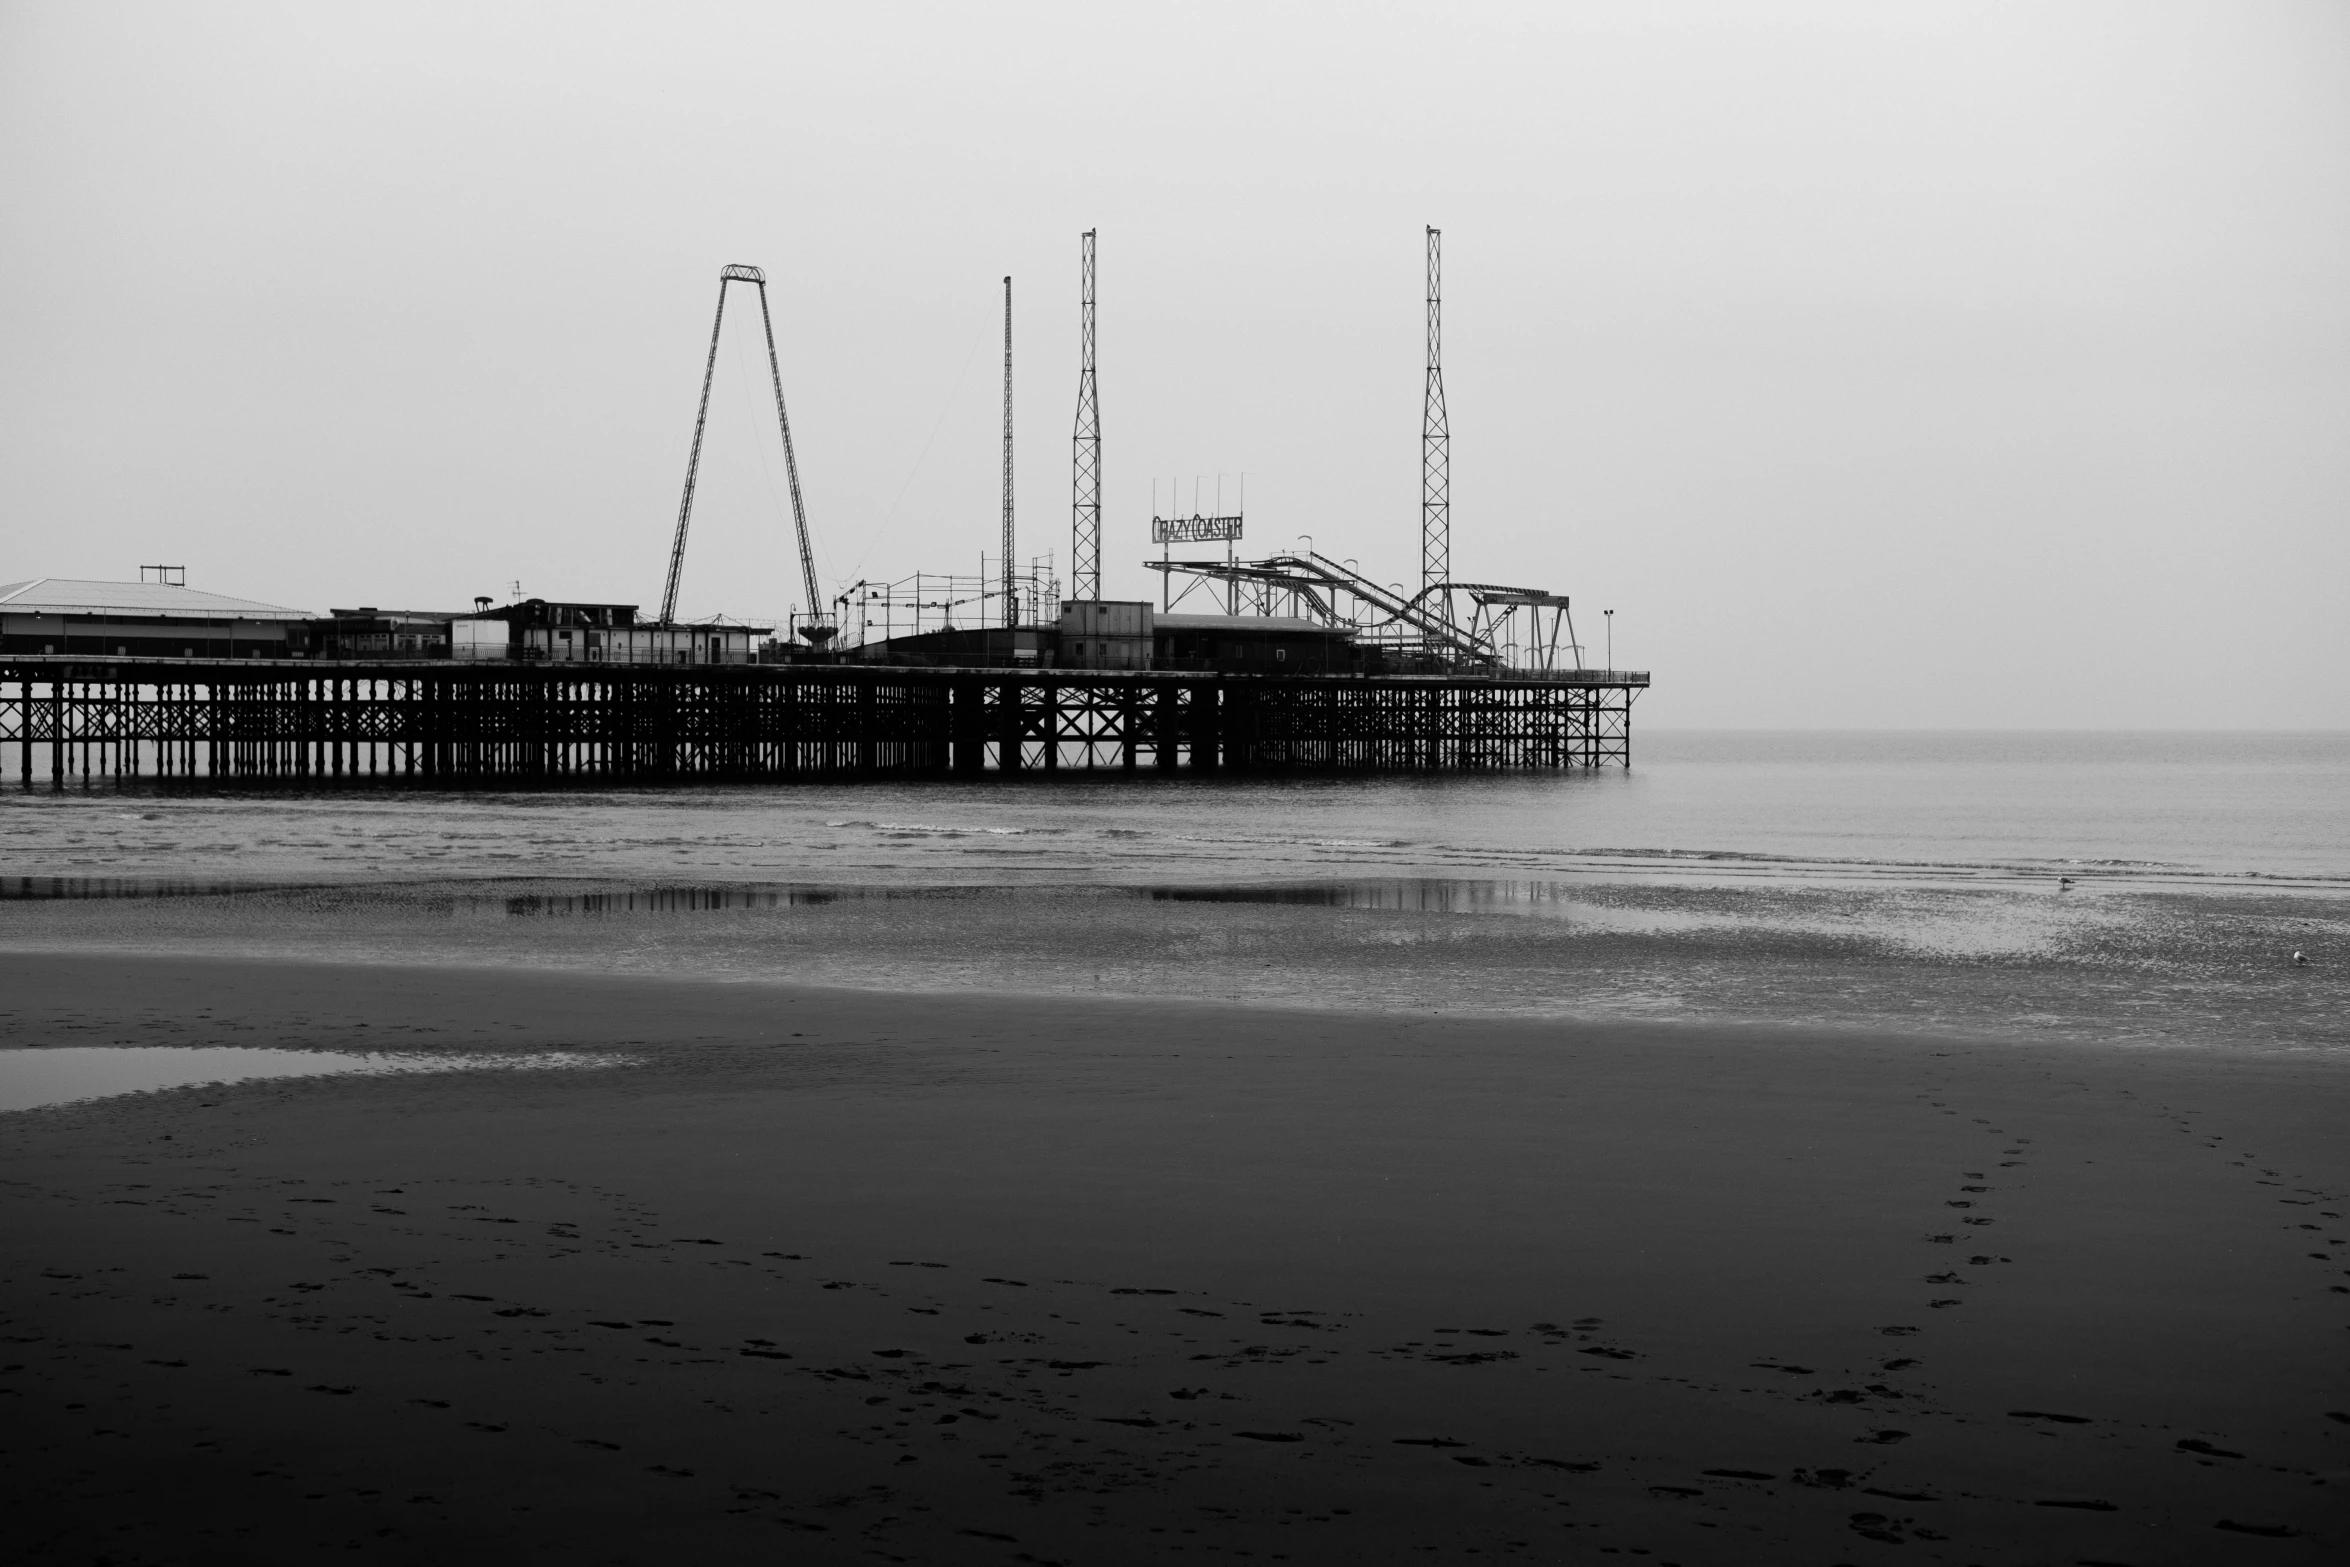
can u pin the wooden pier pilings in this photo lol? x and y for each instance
(76, 719)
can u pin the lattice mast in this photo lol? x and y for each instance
(1011, 596)
(1435, 440)
(1085, 523)
(815, 629)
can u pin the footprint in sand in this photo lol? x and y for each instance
(2198, 1445)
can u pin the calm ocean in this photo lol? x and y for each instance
(1871, 879)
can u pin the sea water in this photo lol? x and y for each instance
(2140, 887)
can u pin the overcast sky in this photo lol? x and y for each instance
(1880, 364)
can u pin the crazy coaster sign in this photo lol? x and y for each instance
(1194, 529)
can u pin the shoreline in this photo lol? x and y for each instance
(1305, 1283)
(2085, 968)
(1594, 870)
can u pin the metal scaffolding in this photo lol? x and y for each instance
(868, 611)
(1085, 520)
(1011, 594)
(1435, 445)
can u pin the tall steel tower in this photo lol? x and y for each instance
(817, 628)
(1011, 603)
(1435, 439)
(1085, 526)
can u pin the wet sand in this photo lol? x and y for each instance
(832, 1275)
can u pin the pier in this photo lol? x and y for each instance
(75, 720)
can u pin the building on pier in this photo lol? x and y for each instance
(1120, 634)
(144, 620)
(970, 647)
(369, 632)
(1104, 634)
(1260, 645)
(550, 632)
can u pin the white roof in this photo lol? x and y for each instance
(147, 600)
(369, 611)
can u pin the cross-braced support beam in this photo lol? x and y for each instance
(66, 720)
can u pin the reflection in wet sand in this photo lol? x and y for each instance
(2088, 962)
(68, 1074)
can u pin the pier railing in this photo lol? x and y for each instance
(75, 720)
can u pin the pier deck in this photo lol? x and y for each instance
(79, 718)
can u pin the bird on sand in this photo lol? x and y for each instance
(2299, 961)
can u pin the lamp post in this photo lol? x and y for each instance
(1610, 616)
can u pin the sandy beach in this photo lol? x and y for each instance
(1030, 786)
(830, 1274)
